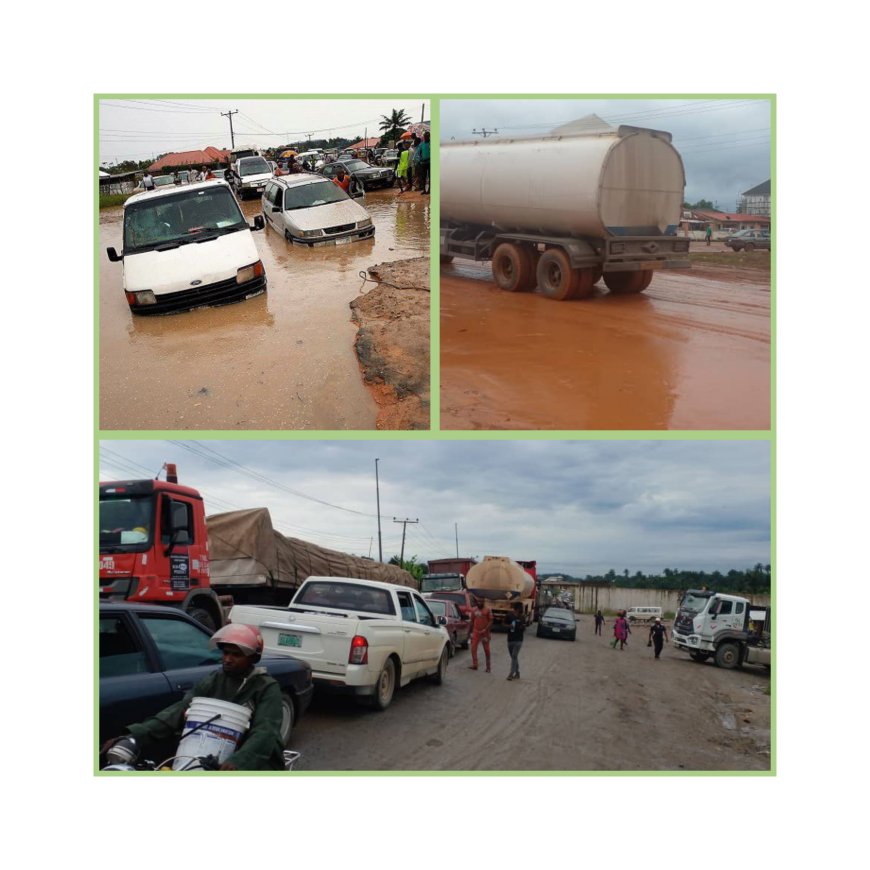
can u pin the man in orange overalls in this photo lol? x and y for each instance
(481, 625)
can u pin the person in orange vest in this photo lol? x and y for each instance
(342, 179)
(481, 626)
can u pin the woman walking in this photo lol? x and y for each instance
(516, 625)
(620, 630)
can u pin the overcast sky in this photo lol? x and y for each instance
(725, 144)
(576, 507)
(141, 129)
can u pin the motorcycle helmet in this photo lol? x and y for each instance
(247, 638)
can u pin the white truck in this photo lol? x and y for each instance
(358, 636)
(727, 628)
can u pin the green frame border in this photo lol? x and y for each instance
(435, 432)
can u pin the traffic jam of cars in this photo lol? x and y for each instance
(187, 242)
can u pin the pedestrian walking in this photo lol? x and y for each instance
(481, 628)
(709, 234)
(658, 634)
(599, 622)
(620, 631)
(516, 626)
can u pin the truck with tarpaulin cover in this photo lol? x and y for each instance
(157, 545)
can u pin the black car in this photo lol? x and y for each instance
(368, 176)
(557, 622)
(150, 656)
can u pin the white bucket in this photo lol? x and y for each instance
(219, 738)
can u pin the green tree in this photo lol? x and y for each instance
(393, 125)
(411, 565)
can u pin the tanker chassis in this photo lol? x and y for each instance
(562, 211)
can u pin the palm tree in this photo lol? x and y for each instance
(393, 125)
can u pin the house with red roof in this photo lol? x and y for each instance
(183, 159)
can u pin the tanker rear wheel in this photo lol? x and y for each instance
(585, 282)
(512, 268)
(628, 282)
(598, 274)
(556, 278)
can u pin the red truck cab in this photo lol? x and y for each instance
(154, 548)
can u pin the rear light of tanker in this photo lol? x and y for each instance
(359, 651)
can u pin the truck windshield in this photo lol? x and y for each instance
(693, 603)
(164, 222)
(439, 582)
(126, 522)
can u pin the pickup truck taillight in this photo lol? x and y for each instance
(359, 651)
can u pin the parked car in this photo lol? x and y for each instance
(458, 626)
(368, 176)
(749, 240)
(250, 176)
(462, 598)
(643, 614)
(159, 181)
(557, 622)
(165, 268)
(308, 209)
(390, 158)
(151, 656)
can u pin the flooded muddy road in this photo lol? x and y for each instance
(692, 352)
(283, 360)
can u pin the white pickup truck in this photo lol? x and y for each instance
(358, 636)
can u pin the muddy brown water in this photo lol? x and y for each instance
(578, 706)
(284, 360)
(692, 352)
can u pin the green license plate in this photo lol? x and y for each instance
(289, 640)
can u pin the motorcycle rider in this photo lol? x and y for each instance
(238, 681)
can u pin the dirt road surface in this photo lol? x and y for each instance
(284, 360)
(692, 352)
(578, 706)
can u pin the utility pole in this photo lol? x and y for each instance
(378, 493)
(404, 527)
(230, 116)
(422, 112)
(484, 132)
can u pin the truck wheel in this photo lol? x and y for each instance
(556, 278)
(728, 655)
(628, 282)
(438, 676)
(202, 616)
(385, 687)
(512, 268)
(699, 656)
(288, 717)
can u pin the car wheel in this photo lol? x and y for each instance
(385, 687)
(749, 247)
(288, 718)
(438, 676)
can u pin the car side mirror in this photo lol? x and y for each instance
(442, 620)
(114, 256)
(276, 208)
(259, 223)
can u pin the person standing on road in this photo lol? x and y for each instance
(423, 153)
(402, 168)
(658, 634)
(481, 628)
(148, 181)
(412, 160)
(516, 625)
(621, 630)
(709, 234)
(599, 622)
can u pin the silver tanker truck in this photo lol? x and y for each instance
(563, 210)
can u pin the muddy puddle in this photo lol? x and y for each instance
(283, 360)
(692, 352)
